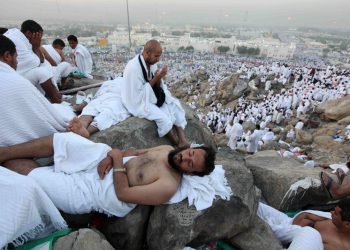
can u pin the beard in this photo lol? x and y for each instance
(171, 158)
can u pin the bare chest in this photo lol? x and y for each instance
(143, 169)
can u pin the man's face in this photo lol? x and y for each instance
(72, 44)
(58, 47)
(336, 217)
(11, 59)
(152, 57)
(187, 160)
(32, 36)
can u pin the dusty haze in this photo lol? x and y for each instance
(268, 13)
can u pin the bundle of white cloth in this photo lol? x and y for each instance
(26, 212)
(27, 114)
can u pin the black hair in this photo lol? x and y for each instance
(72, 38)
(59, 42)
(344, 205)
(2, 30)
(6, 45)
(209, 161)
(32, 26)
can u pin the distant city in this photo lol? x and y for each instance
(111, 50)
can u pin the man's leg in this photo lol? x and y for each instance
(42, 147)
(51, 91)
(182, 138)
(21, 166)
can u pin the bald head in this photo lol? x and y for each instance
(152, 52)
(152, 45)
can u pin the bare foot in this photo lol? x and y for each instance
(183, 143)
(76, 126)
(79, 107)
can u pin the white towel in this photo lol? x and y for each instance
(201, 191)
(307, 238)
(25, 113)
(26, 212)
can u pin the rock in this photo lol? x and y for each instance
(221, 140)
(174, 226)
(140, 133)
(303, 137)
(325, 144)
(259, 236)
(345, 121)
(285, 183)
(128, 232)
(336, 109)
(248, 126)
(329, 129)
(83, 239)
(272, 145)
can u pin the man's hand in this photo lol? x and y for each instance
(162, 72)
(104, 167)
(36, 40)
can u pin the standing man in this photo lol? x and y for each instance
(144, 95)
(81, 57)
(31, 61)
(236, 133)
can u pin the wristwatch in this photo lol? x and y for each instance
(116, 169)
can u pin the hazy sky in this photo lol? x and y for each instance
(291, 13)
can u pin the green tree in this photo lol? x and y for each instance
(223, 49)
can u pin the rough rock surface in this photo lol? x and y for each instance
(335, 109)
(83, 239)
(259, 236)
(173, 226)
(285, 183)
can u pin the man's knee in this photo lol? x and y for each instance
(21, 166)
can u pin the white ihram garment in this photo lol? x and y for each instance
(83, 60)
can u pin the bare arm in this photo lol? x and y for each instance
(52, 92)
(156, 193)
(307, 219)
(60, 52)
(47, 56)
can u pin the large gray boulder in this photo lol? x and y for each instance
(174, 226)
(335, 109)
(285, 183)
(258, 236)
(141, 133)
(83, 239)
(128, 233)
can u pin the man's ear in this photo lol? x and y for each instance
(346, 224)
(6, 56)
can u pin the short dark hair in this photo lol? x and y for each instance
(2, 30)
(344, 205)
(240, 121)
(32, 26)
(72, 38)
(59, 42)
(6, 45)
(209, 161)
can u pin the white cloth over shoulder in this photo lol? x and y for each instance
(26, 212)
(83, 60)
(201, 191)
(53, 53)
(26, 58)
(26, 113)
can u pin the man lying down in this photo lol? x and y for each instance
(88, 176)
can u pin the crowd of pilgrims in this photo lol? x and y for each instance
(303, 86)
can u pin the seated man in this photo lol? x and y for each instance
(144, 95)
(26, 113)
(81, 58)
(81, 181)
(341, 188)
(53, 53)
(333, 228)
(31, 62)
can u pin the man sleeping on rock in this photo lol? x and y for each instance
(88, 176)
